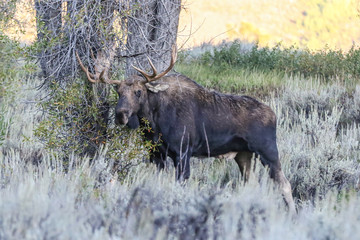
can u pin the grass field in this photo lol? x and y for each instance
(42, 197)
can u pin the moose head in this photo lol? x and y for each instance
(132, 91)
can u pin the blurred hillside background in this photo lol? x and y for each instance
(316, 24)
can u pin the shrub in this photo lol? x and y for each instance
(11, 72)
(75, 124)
(9, 69)
(318, 138)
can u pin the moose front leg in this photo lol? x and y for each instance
(182, 167)
(158, 154)
(182, 150)
(158, 159)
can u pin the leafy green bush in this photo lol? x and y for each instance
(10, 74)
(10, 52)
(75, 124)
(7, 13)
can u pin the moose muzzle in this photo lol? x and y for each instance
(122, 116)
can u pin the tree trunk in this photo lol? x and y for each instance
(85, 26)
(152, 30)
(98, 46)
(48, 25)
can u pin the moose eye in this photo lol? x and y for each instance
(138, 93)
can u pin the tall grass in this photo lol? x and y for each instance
(237, 66)
(234, 80)
(41, 197)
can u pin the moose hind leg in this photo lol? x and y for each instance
(243, 159)
(269, 157)
(278, 176)
(285, 188)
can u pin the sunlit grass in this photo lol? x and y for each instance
(234, 80)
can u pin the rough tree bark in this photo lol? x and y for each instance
(148, 28)
(152, 30)
(85, 26)
(48, 25)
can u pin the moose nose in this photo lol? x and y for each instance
(121, 116)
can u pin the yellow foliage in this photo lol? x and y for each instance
(249, 32)
(305, 23)
(333, 23)
(25, 16)
(315, 24)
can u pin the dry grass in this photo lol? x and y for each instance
(39, 199)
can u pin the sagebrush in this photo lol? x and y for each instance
(42, 196)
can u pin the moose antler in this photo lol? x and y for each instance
(155, 76)
(93, 78)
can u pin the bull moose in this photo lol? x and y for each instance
(193, 121)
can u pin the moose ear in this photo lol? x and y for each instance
(156, 87)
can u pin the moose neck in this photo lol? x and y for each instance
(145, 110)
